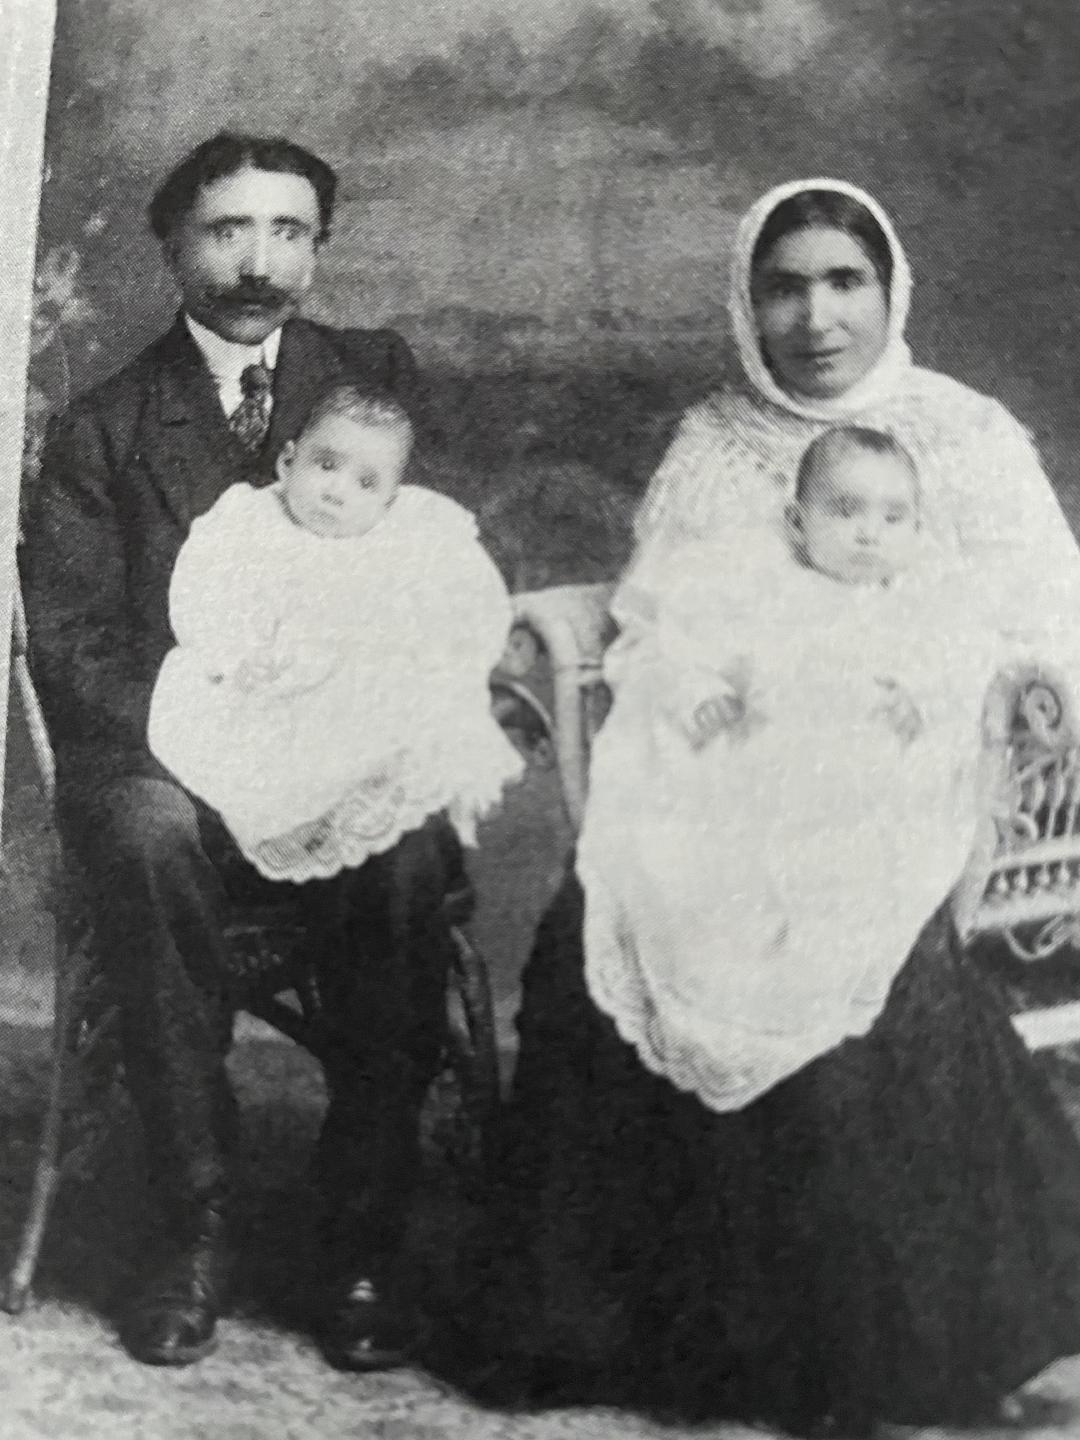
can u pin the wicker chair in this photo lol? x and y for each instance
(85, 1086)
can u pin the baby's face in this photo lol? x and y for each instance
(339, 476)
(859, 522)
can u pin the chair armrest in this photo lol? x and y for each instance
(572, 626)
(1025, 864)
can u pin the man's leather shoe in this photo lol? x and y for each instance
(361, 1328)
(173, 1319)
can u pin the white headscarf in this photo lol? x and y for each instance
(895, 359)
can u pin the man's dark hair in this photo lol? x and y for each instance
(226, 154)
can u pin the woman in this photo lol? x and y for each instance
(891, 1231)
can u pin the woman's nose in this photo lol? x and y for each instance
(818, 311)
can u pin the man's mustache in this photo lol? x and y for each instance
(269, 297)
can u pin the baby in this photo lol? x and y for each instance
(335, 631)
(854, 519)
(806, 708)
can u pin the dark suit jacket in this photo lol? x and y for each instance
(124, 473)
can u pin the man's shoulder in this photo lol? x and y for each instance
(354, 340)
(380, 359)
(124, 387)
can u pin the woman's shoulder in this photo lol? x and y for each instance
(957, 405)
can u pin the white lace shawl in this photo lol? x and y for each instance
(749, 907)
(731, 468)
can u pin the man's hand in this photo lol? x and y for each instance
(898, 709)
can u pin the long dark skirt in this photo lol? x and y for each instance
(893, 1233)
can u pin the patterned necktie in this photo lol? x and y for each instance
(250, 421)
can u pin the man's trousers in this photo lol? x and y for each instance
(161, 874)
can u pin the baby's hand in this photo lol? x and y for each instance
(258, 673)
(899, 710)
(711, 716)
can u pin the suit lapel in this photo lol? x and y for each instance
(306, 364)
(196, 456)
(191, 454)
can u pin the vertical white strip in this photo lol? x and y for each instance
(26, 35)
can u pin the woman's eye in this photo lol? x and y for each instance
(327, 464)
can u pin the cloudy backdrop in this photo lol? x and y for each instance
(553, 184)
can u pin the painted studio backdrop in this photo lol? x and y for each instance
(540, 197)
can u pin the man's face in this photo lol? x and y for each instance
(244, 255)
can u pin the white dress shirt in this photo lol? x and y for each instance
(228, 361)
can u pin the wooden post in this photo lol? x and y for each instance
(26, 27)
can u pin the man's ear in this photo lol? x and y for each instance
(283, 463)
(170, 247)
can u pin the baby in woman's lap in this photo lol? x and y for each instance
(809, 716)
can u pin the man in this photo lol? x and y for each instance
(125, 472)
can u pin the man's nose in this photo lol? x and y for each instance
(255, 262)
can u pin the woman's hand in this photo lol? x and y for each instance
(898, 709)
(713, 715)
(258, 673)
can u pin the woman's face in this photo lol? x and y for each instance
(822, 313)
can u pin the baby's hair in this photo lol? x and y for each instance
(849, 437)
(377, 410)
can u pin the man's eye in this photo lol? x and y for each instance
(226, 231)
(292, 231)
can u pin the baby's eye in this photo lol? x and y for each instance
(328, 463)
(368, 482)
(895, 517)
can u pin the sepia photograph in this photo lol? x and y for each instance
(540, 871)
